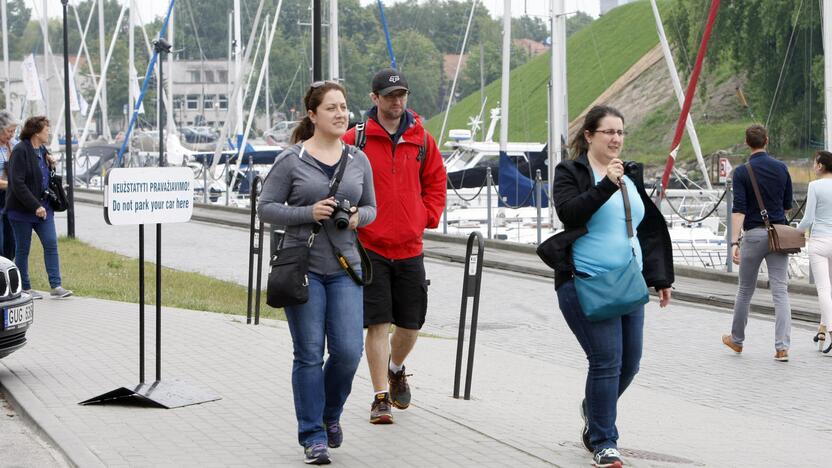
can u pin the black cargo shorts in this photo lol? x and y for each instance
(398, 293)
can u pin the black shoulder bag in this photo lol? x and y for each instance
(288, 277)
(55, 192)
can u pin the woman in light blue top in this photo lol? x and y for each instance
(818, 219)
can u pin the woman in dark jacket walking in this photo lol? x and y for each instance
(27, 207)
(595, 241)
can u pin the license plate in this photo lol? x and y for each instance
(17, 317)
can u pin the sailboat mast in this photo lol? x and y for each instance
(333, 40)
(680, 95)
(7, 84)
(171, 123)
(102, 48)
(238, 64)
(131, 58)
(557, 94)
(44, 23)
(827, 70)
(504, 90)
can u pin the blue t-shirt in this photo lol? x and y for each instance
(605, 246)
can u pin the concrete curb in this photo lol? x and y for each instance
(37, 416)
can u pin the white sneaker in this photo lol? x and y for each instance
(59, 292)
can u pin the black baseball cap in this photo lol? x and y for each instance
(388, 80)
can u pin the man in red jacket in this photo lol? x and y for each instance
(409, 178)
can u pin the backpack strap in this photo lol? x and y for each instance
(421, 156)
(360, 136)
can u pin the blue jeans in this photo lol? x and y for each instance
(613, 349)
(333, 316)
(48, 239)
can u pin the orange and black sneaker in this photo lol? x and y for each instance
(380, 412)
(399, 389)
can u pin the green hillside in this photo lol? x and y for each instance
(596, 56)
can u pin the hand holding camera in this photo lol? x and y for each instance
(323, 209)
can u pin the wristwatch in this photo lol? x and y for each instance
(735, 243)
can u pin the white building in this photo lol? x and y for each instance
(201, 90)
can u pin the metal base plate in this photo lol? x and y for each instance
(159, 394)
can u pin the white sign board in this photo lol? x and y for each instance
(148, 195)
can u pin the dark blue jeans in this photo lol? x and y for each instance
(613, 349)
(333, 317)
(48, 239)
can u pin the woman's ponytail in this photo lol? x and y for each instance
(303, 131)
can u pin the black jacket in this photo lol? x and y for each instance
(25, 179)
(577, 198)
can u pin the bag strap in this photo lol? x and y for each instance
(763, 211)
(333, 185)
(628, 216)
(360, 136)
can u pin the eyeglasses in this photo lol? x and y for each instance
(610, 132)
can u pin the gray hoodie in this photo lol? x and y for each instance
(295, 183)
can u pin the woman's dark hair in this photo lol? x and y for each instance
(312, 100)
(579, 144)
(825, 160)
(32, 126)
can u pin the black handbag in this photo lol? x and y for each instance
(289, 268)
(288, 279)
(55, 192)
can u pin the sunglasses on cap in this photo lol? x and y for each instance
(318, 84)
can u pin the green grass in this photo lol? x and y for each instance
(93, 272)
(596, 56)
(650, 141)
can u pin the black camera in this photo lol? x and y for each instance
(341, 214)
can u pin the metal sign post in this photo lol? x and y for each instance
(470, 288)
(151, 196)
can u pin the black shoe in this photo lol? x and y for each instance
(334, 434)
(399, 389)
(316, 454)
(380, 412)
(585, 430)
(608, 458)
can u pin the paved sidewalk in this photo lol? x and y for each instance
(524, 411)
(694, 403)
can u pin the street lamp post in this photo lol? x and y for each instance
(70, 177)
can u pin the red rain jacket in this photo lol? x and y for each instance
(406, 203)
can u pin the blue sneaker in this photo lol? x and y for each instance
(316, 454)
(334, 434)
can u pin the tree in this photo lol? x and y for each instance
(19, 15)
(528, 27)
(577, 22)
(751, 44)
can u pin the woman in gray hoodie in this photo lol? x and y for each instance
(295, 195)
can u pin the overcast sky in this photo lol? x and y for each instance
(149, 8)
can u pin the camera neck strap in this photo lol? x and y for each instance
(334, 182)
